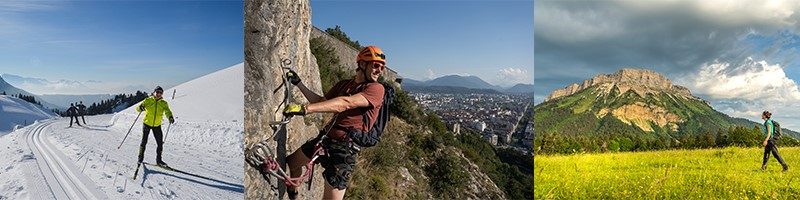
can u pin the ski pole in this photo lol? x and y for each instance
(165, 135)
(129, 130)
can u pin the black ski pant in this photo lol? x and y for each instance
(84, 119)
(159, 141)
(771, 148)
(71, 117)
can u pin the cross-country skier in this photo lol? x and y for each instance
(82, 111)
(155, 107)
(72, 112)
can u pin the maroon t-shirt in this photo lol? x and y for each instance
(353, 118)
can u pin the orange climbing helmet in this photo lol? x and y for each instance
(371, 53)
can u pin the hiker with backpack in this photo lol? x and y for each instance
(773, 132)
(357, 103)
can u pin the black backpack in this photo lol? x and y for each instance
(776, 129)
(373, 135)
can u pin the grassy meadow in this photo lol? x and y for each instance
(725, 173)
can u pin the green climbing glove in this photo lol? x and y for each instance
(294, 109)
(292, 77)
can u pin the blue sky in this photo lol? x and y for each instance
(124, 45)
(489, 39)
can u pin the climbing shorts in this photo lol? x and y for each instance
(339, 161)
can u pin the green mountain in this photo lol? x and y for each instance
(634, 109)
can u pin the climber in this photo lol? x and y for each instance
(350, 100)
(155, 107)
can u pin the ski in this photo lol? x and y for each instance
(135, 173)
(168, 168)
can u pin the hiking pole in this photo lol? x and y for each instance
(129, 130)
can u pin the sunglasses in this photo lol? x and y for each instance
(377, 65)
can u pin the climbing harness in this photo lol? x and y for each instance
(271, 166)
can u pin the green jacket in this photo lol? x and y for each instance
(154, 111)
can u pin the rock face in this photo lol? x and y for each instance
(641, 81)
(347, 54)
(642, 115)
(645, 116)
(480, 185)
(277, 30)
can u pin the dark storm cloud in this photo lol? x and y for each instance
(575, 40)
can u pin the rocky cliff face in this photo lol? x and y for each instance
(644, 114)
(277, 30)
(641, 81)
(480, 186)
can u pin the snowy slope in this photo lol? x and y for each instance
(48, 160)
(218, 96)
(15, 111)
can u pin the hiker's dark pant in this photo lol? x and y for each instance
(71, 117)
(84, 119)
(774, 149)
(159, 141)
(339, 161)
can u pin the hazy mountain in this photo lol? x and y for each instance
(412, 82)
(11, 90)
(63, 100)
(449, 89)
(520, 88)
(461, 81)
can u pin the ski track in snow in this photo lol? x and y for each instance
(83, 162)
(62, 177)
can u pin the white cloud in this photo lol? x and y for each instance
(511, 76)
(44, 86)
(752, 80)
(748, 88)
(430, 74)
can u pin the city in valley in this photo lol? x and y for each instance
(502, 119)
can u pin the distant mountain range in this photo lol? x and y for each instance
(449, 90)
(11, 90)
(63, 100)
(51, 101)
(464, 84)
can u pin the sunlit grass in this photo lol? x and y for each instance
(728, 173)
